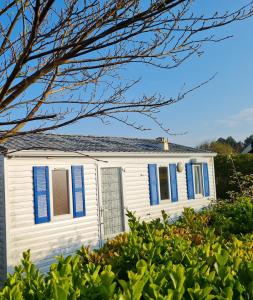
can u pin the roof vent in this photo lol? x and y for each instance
(163, 143)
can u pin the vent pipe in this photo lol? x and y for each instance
(163, 143)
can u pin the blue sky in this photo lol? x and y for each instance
(221, 108)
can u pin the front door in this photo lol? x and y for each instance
(112, 206)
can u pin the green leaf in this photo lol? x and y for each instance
(222, 257)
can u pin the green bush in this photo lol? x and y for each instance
(224, 170)
(224, 217)
(190, 259)
(233, 218)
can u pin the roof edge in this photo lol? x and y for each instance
(92, 154)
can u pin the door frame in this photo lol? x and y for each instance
(100, 201)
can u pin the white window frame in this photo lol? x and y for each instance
(158, 181)
(200, 195)
(67, 216)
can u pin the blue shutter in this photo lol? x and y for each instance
(206, 180)
(189, 180)
(78, 191)
(173, 182)
(153, 187)
(41, 195)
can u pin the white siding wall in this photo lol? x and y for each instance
(64, 235)
(136, 186)
(2, 222)
(61, 235)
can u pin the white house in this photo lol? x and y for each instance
(248, 149)
(61, 191)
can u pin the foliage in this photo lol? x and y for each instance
(196, 257)
(242, 186)
(237, 146)
(225, 218)
(227, 168)
(233, 218)
(226, 146)
(217, 147)
(222, 148)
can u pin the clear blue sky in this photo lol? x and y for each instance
(221, 108)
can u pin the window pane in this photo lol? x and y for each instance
(164, 189)
(198, 180)
(60, 192)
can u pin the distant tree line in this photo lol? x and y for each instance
(227, 145)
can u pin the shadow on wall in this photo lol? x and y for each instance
(43, 259)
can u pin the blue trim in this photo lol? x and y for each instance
(37, 219)
(189, 181)
(75, 190)
(173, 182)
(206, 180)
(153, 187)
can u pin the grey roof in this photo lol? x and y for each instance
(248, 149)
(79, 143)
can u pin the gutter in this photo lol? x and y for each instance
(87, 154)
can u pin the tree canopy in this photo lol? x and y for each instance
(227, 145)
(217, 147)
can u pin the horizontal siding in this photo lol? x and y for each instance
(64, 236)
(2, 223)
(136, 189)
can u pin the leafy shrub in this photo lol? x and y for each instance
(233, 218)
(241, 186)
(190, 259)
(224, 217)
(225, 168)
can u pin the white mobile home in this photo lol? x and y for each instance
(58, 192)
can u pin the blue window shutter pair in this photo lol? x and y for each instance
(42, 194)
(153, 183)
(190, 182)
(78, 191)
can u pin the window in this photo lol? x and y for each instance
(164, 183)
(198, 179)
(60, 192)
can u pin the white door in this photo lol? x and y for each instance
(112, 206)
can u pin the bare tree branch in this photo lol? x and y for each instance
(20, 121)
(61, 61)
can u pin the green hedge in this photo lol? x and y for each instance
(196, 258)
(224, 169)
